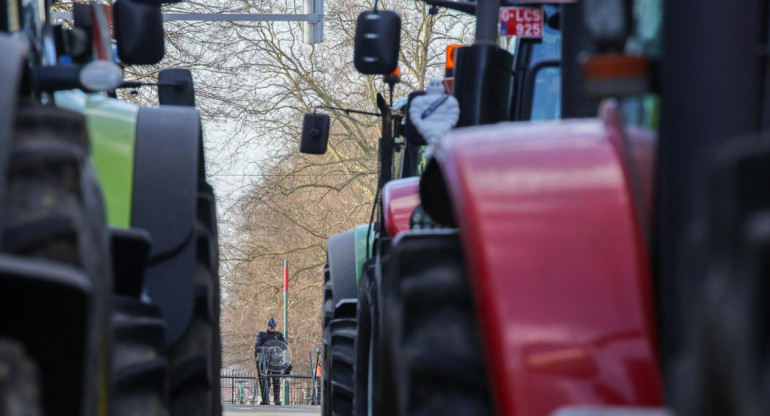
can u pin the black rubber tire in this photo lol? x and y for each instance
(366, 318)
(196, 360)
(328, 312)
(139, 366)
(328, 315)
(19, 384)
(441, 369)
(191, 359)
(208, 252)
(383, 394)
(326, 382)
(55, 211)
(341, 346)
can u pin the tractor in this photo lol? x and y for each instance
(358, 356)
(116, 296)
(609, 263)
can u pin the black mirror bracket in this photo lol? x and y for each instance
(137, 84)
(345, 110)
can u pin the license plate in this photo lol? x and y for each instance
(524, 22)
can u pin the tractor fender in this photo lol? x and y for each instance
(341, 255)
(166, 168)
(557, 261)
(14, 53)
(399, 199)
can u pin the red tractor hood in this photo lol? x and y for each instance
(552, 218)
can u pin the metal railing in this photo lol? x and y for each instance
(244, 389)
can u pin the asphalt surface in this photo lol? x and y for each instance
(236, 410)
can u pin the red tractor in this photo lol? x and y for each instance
(581, 267)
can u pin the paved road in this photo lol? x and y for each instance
(234, 410)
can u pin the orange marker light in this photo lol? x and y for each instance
(616, 75)
(393, 78)
(451, 52)
(615, 66)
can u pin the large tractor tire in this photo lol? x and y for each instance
(328, 315)
(197, 359)
(193, 360)
(19, 384)
(208, 254)
(440, 367)
(139, 365)
(367, 326)
(55, 212)
(340, 293)
(326, 382)
(374, 393)
(342, 335)
(328, 311)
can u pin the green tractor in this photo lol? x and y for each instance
(115, 298)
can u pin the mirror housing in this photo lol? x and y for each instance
(377, 42)
(138, 32)
(315, 133)
(175, 87)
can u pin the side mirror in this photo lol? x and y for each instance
(315, 133)
(175, 87)
(138, 32)
(377, 42)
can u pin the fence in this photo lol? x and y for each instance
(243, 388)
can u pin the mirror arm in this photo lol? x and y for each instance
(316, 132)
(345, 110)
(466, 7)
(137, 84)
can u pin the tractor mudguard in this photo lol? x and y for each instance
(47, 308)
(164, 203)
(399, 199)
(557, 260)
(341, 254)
(11, 66)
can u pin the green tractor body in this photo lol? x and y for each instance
(363, 236)
(112, 129)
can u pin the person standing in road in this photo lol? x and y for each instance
(316, 399)
(265, 380)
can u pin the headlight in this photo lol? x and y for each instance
(101, 76)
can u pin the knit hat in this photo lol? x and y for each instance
(271, 323)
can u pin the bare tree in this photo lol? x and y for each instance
(258, 79)
(254, 81)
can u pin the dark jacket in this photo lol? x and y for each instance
(263, 337)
